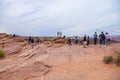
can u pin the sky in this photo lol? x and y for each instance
(71, 17)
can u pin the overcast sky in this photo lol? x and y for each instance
(71, 17)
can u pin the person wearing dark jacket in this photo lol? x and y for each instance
(88, 41)
(102, 38)
(29, 40)
(76, 40)
(84, 41)
(69, 40)
(95, 38)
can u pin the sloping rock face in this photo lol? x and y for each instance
(52, 61)
(22, 61)
(59, 40)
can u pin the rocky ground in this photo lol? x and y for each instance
(52, 61)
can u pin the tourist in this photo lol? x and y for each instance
(102, 38)
(84, 41)
(69, 40)
(88, 41)
(29, 40)
(107, 39)
(76, 40)
(95, 38)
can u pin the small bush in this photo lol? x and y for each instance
(117, 58)
(51, 40)
(26, 39)
(2, 53)
(19, 39)
(7, 35)
(108, 59)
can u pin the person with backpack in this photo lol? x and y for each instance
(76, 40)
(69, 40)
(95, 38)
(102, 38)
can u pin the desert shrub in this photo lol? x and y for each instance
(117, 58)
(2, 53)
(19, 39)
(51, 40)
(7, 35)
(26, 39)
(108, 59)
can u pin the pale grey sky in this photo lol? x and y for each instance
(72, 17)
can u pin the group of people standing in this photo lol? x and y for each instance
(104, 38)
(82, 40)
(85, 41)
(32, 40)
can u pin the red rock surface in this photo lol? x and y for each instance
(56, 61)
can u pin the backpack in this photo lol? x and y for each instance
(102, 36)
(95, 35)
